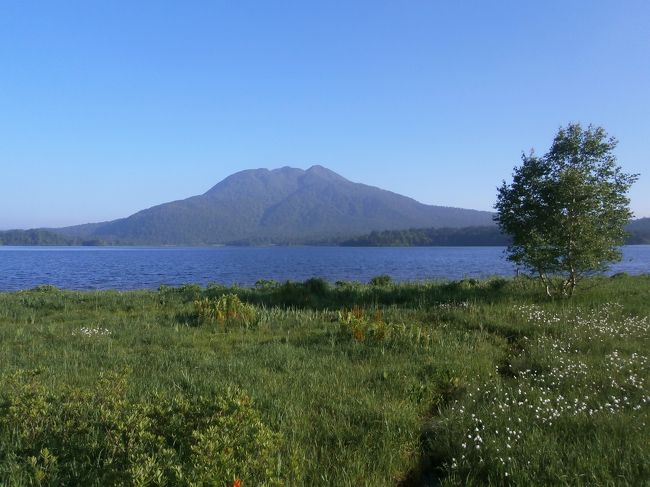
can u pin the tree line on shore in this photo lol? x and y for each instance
(638, 233)
(43, 237)
(638, 230)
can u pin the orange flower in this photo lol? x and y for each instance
(236, 483)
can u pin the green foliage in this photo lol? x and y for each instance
(266, 284)
(228, 311)
(310, 293)
(98, 437)
(42, 237)
(393, 408)
(566, 211)
(383, 280)
(371, 328)
(46, 288)
(317, 286)
(429, 237)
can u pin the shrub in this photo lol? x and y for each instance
(228, 311)
(266, 284)
(382, 280)
(184, 293)
(45, 288)
(190, 291)
(214, 290)
(317, 285)
(99, 437)
(292, 294)
(347, 284)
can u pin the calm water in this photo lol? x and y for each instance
(137, 267)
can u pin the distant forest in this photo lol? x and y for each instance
(639, 231)
(42, 237)
(424, 237)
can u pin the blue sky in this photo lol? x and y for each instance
(107, 108)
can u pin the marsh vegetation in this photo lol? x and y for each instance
(467, 382)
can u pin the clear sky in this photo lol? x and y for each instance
(109, 107)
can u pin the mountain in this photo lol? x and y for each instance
(284, 205)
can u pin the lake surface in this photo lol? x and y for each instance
(147, 267)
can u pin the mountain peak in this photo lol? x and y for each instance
(324, 173)
(279, 206)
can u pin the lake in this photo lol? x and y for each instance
(149, 267)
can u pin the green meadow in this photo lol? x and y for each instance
(440, 383)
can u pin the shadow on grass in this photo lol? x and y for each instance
(429, 470)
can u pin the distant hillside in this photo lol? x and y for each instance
(285, 205)
(41, 237)
(470, 236)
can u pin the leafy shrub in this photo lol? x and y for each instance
(190, 291)
(214, 289)
(382, 280)
(348, 285)
(185, 293)
(46, 288)
(266, 284)
(227, 310)
(497, 284)
(99, 437)
(292, 294)
(469, 283)
(317, 285)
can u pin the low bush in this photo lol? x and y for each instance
(99, 437)
(266, 284)
(382, 280)
(317, 285)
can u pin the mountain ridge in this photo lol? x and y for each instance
(284, 205)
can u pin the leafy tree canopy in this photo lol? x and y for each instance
(566, 211)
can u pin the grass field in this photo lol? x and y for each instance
(452, 383)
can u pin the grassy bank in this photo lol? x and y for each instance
(470, 382)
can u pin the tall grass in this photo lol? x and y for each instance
(460, 383)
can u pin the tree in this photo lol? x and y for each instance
(566, 211)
